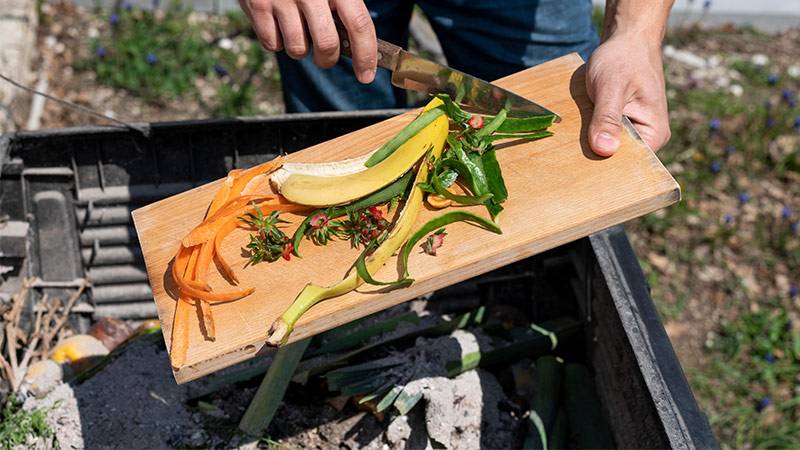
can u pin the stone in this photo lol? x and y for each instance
(685, 57)
(42, 377)
(759, 59)
(63, 415)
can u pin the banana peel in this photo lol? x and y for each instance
(327, 190)
(433, 138)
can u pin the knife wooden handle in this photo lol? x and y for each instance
(388, 53)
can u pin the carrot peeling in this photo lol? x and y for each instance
(246, 176)
(207, 229)
(203, 244)
(206, 320)
(179, 344)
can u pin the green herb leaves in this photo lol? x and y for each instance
(269, 242)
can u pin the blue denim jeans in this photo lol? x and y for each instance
(485, 38)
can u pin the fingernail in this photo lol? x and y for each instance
(366, 76)
(606, 142)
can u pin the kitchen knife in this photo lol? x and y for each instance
(415, 73)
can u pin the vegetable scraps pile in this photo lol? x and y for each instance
(445, 157)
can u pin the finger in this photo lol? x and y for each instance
(292, 29)
(264, 23)
(651, 121)
(606, 124)
(324, 37)
(361, 31)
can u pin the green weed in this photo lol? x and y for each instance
(752, 368)
(161, 56)
(17, 425)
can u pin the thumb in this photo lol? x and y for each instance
(606, 125)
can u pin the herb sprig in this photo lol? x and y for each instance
(268, 243)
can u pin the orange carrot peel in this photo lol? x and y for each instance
(204, 244)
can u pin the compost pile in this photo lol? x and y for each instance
(465, 365)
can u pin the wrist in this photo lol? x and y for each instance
(641, 22)
(637, 40)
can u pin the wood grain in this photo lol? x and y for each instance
(559, 191)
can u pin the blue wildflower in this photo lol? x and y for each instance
(715, 167)
(728, 219)
(772, 79)
(797, 123)
(744, 197)
(795, 227)
(220, 70)
(788, 97)
(786, 212)
(770, 122)
(769, 358)
(763, 403)
(151, 58)
(127, 6)
(100, 52)
(793, 292)
(114, 19)
(714, 124)
(730, 149)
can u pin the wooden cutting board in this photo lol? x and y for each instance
(559, 191)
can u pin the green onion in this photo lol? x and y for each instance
(422, 121)
(439, 222)
(527, 136)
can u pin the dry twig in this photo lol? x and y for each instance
(48, 325)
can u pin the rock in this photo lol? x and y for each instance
(225, 44)
(685, 57)
(660, 262)
(408, 432)
(42, 377)
(463, 412)
(759, 59)
(398, 430)
(736, 90)
(81, 351)
(793, 71)
(63, 415)
(198, 438)
(111, 332)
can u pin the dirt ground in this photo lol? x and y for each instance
(696, 292)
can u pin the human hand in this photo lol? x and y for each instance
(625, 77)
(292, 24)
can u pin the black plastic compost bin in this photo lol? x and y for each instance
(66, 201)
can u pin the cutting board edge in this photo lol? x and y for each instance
(670, 194)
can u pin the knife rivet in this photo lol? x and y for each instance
(345, 43)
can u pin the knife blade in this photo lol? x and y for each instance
(412, 72)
